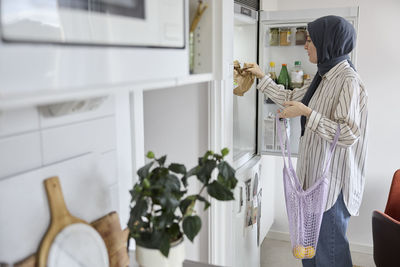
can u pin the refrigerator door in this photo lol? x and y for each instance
(281, 48)
(245, 106)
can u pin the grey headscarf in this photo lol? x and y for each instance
(334, 37)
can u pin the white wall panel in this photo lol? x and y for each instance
(76, 139)
(19, 153)
(18, 121)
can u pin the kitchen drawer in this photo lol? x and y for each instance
(18, 121)
(19, 153)
(76, 139)
(82, 110)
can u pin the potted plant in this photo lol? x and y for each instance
(161, 211)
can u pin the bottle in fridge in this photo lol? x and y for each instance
(284, 77)
(272, 75)
(296, 76)
(271, 71)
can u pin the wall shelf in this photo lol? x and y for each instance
(195, 78)
(12, 101)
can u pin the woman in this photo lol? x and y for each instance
(336, 96)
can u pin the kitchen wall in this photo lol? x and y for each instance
(176, 125)
(87, 150)
(91, 153)
(378, 62)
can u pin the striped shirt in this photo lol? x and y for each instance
(339, 99)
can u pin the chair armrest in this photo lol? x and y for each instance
(381, 214)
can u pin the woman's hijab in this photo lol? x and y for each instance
(334, 38)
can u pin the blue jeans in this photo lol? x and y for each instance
(333, 247)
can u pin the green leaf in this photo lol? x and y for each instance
(177, 168)
(187, 204)
(139, 209)
(184, 181)
(150, 239)
(191, 226)
(167, 201)
(227, 174)
(174, 231)
(158, 173)
(225, 151)
(218, 157)
(179, 195)
(146, 183)
(226, 170)
(207, 154)
(150, 155)
(190, 173)
(165, 244)
(204, 173)
(166, 218)
(207, 204)
(172, 183)
(219, 191)
(161, 160)
(144, 171)
(135, 192)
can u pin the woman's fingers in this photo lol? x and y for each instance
(251, 69)
(281, 114)
(291, 110)
(289, 103)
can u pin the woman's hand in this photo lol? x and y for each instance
(255, 69)
(294, 109)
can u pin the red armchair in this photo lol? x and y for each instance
(386, 228)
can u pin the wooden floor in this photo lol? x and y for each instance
(275, 253)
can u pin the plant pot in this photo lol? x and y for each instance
(147, 257)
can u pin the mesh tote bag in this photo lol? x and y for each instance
(304, 207)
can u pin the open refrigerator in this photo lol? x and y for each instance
(255, 140)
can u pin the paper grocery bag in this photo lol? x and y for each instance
(242, 78)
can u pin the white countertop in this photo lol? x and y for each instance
(186, 263)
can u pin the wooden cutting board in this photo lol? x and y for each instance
(115, 239)
(118, 258)
(59, 218)
(108, 227)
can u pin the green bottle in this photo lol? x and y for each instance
(284, 77)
